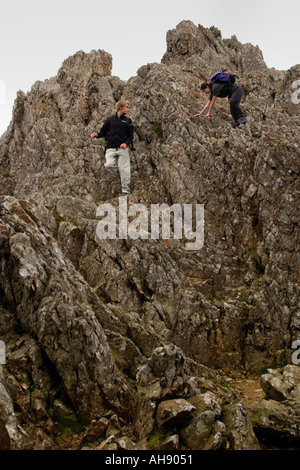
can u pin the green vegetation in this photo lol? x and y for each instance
(157, 437)
(119, 359)
(57, 217)
(5, 173)
(158, 130)
(67, 426)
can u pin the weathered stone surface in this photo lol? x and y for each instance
(96, 430)
(54, 304)
(239, 432)
(201, 50)
(11, 434)
(177, 412)
(276, 419)
(163, 376)
(282, 385)
(276, 424)
(220, 422)
(171, 443)
(125, 443)
(204, 433)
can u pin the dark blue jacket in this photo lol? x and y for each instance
(116, 131)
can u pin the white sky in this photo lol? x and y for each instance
(36, 36)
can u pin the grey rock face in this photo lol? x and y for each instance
(93, 313)
(54, 304)
(11, 433)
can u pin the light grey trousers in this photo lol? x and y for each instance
(118, 162)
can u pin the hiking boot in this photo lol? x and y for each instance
(239, 121)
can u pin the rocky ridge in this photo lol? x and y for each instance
(135, 342)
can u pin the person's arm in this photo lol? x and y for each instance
(210, 105)
(202, 111)
(103, 131)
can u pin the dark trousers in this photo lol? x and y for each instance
(234, 102)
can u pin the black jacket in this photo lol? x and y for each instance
(116, 131)
(222, 90)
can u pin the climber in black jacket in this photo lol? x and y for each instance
(118, 134)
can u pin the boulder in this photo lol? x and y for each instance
(276, 418)
(177, 412)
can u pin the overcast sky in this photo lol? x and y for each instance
(36, 36)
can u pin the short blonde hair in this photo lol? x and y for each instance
(121, 104)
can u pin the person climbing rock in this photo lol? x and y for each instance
(233, 91)
(118, 134)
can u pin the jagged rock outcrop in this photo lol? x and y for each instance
(200, 50)
(81, 316)
(60, 316)
(11, 434)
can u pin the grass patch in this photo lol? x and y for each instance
(119, 359)
(157, 437)
(57, 217)
(68, 426)
(158, 130)
(5, 173)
